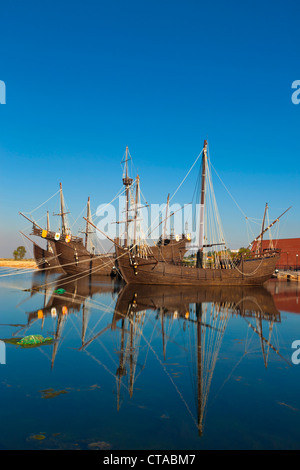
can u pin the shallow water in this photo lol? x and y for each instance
(148, 368)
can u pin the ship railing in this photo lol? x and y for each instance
(49, 235)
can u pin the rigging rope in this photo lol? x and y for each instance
(31, 212)
(229, 192)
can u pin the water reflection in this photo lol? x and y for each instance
(205, 314)
(201, 315)
(64, 296)
(286, 295)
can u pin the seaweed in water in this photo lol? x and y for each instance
(51, 393)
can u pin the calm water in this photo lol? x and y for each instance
(148, 368)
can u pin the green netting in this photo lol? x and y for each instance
(33, 339)
(59, 291)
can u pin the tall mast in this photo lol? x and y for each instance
(202, 203)
(266, 229)
(48, 229)
(63, 226)
(172, 226)
(165, 224)
(262, 228)
(62, 211)
(88, 218)
(136, 206)
(202, 197)
(127, 183)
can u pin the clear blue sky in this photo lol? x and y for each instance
(86, 78)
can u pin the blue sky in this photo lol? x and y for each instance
(85, 79)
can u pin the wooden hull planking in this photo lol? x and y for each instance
(76, 259)
(45, 259)
(152, 271)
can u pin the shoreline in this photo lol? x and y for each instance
(11, 263)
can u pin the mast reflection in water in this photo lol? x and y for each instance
(139, 348)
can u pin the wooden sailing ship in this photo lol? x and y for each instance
(72, 252)
(45, 258)
(167, 248)
(74, 255)
(79, 258)
(149, 268)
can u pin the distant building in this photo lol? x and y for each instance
(290, 252)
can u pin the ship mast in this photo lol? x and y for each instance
(202, 203)
(266, 229)
(136, 207)
(165, 224)
(62, 212)
(127, 183)
(48, 229)
(88, 218)
(262, 229)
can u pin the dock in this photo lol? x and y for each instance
(287, 275)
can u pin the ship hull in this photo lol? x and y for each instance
(152, 271)
(75, 259)
(45, 259)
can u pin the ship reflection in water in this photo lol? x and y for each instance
(159, 344)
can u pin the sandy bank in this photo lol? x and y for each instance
(24, 263)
